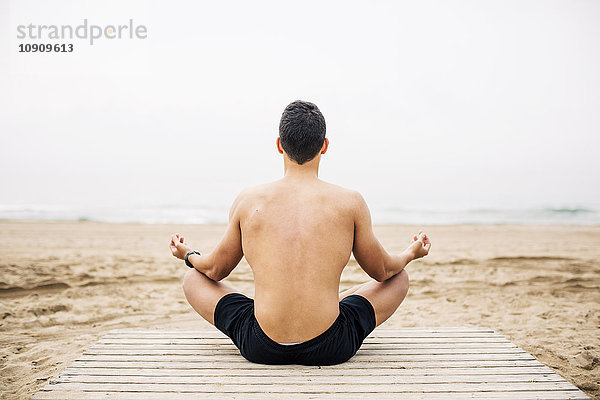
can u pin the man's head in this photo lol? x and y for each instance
(302, 131)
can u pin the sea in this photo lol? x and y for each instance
(218, 214)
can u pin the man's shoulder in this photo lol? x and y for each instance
(341, 189)
(350, 200)
(254, 191)
(248, 196)
(341, 195)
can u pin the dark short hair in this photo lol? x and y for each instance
(302, 131)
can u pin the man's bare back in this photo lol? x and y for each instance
(297, 235)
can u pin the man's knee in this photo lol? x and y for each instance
(403, 281)
(404, 276)
(189, 280)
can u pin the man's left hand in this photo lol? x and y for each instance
(420, 245)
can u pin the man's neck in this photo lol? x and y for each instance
(308, 170)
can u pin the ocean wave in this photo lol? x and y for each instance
(206, 214)
(572, 210)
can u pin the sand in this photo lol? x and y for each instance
(63, 285)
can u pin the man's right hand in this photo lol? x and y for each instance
(420, 245)
(179, 248)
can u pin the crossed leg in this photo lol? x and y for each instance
(385, 297)
(203, 293)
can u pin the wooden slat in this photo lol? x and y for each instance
(400, 341)
(310, 371)
(309, 380)
(366, 345)
(133, 350)
(365, 387)
(379, 331)
(365, 356)
(166, 364)
(201, 335)
(506, 395)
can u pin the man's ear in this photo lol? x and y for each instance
(325, 146)
(279, 148)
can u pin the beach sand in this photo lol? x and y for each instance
(63, 285)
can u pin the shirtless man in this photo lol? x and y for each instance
(297, 234)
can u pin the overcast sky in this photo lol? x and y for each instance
(474, 103)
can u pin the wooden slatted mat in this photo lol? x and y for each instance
(409, 363)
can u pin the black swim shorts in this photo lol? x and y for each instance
(234, 316)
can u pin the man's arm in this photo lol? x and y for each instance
(370, 254)
(218, 264)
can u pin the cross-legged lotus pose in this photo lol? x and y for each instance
(297, 235)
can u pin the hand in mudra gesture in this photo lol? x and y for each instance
(179, 248)
(420, 245)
